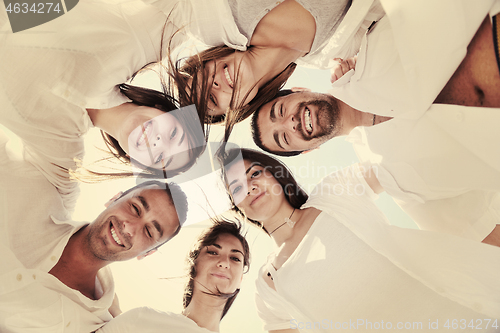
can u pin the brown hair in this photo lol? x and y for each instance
(194, 68)
(294, 194)
(207, 238)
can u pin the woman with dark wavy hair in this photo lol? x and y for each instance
(216, 264)
(338, 260)
(59, 79)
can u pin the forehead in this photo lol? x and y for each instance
(229, 242)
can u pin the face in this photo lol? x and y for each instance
(220, 266)
(160, 143)
(255, 191)
(299, 121)
(133, 225)
(224, 72)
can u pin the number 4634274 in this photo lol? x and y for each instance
(37, 8)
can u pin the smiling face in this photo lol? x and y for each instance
(229, 73)
(298, 122)
(160, 143)
(255, 191)
(133, 225)
(219, 266)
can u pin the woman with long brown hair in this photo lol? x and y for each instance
(338, 260)
(216, 264)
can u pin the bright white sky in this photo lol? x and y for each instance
(158, 280)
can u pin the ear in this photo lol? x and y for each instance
(299, 89)
(309, 150)
(150, 252)
(113, 199)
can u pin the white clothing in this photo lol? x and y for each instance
(407, 58)
(147, 320)
(213, 23)
(34, 230)
(442, 169)
(51, 73)
(356, 266)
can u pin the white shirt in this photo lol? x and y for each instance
(51, 73)
(212, 23)
(442, 168)
(406, 59)
(147, 320)
(352, 265)
(34, 230)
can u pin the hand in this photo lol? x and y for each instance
(343, 67)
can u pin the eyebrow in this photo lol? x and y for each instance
(272, 115)
(145, 204)
(232, 250)
(182, 138)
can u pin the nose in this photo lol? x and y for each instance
(223, 262)
(130, 227)
(290, 122)
(252, 186)
(157, 141)
(215, 85)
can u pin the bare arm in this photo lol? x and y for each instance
(372, 180)
(494, 237)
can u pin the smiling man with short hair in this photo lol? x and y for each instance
(54, 271)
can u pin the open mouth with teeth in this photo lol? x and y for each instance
(228, 77)
(307, 121)
(115, 236)
(145, 133)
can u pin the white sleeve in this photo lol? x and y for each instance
(271, 309)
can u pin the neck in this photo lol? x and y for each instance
(279, 231)
(77, 268)
(111, 120)
(205, 310)
(352, 118)
(269, 62)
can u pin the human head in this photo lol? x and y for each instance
(136, 222)
(291, 190)
(198, 71)
(205, 242)
(187, 122)
(295, 122)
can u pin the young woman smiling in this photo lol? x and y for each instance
(337, 258)
(216, 265)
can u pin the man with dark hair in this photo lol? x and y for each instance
(53, 270)
(434, 148)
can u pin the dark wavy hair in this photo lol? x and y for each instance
(161, 101)
(293, 192)
(207, 238)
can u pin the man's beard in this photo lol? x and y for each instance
(327, 125)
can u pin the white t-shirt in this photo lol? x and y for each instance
(147, 320)
(353, 265)
(34, 230)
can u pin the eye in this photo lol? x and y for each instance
(212, 98)
(281, 110)
(256, 173)
(137, 210)
(212, 252)
(236, 189)
(236, 259)
(159, 158)
(148, 233)
(174, 132)
(285, 139)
